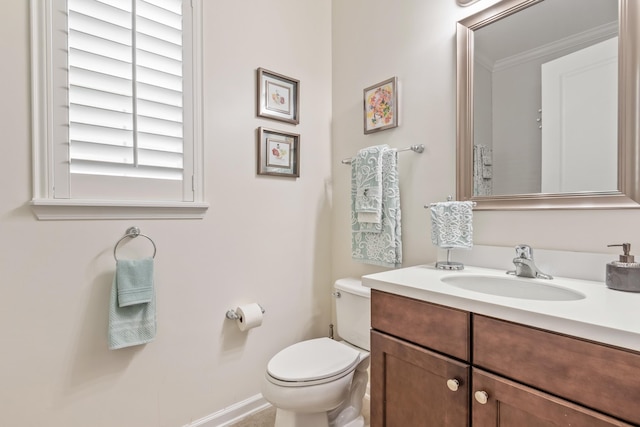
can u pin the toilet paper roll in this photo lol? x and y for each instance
(249, 316)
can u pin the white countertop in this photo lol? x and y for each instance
(604, 315)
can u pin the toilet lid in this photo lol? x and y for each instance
(312, 360)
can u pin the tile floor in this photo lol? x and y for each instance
(267, 417)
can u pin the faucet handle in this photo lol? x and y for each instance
(524, 251)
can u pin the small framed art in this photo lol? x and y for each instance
(381, 106)
(278, 153)
(278, 96)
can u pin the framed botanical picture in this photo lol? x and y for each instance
(278, 153)
(381, 106)
(278, 96)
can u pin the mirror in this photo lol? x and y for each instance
(516, 61)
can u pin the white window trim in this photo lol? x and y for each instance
(44, 206)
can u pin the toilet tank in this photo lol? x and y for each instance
(353, 312)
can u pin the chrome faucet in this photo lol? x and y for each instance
(525, 266)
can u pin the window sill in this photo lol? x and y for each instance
(57, 209)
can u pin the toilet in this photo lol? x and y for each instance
(321, 382)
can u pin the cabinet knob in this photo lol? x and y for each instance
(453, 384)
(481, 397)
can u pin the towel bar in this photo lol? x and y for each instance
(418, 148)
(449, 199)
(133, 232)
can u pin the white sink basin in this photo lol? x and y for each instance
(513, 287)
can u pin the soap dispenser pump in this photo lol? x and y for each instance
(624, 274)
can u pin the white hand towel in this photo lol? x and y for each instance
(368, 166)
(452, 225)
(487, 156)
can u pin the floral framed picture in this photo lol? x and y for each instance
(381, 106)
(278, 153)
(278, 96)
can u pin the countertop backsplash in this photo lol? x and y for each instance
(575, 265)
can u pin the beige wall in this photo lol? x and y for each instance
(277, 241)
(264, 239)
(415, 41)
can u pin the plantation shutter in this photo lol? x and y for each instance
(125, 79)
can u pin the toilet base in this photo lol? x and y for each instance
(348, 414)
(337, 403)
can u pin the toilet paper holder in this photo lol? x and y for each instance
(231, 314)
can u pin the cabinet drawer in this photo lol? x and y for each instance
(597, 376)
(443, 329)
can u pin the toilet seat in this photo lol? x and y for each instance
(310, 362)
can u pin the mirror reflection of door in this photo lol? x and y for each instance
(579, 120)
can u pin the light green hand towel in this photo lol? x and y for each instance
(135, 281)
(133, 324)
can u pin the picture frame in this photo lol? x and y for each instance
(278, 96)
(278, 153)
(381, 106)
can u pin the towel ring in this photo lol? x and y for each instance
(133, 232)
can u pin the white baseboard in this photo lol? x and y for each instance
(232, 414)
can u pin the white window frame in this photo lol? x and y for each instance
(44, 204)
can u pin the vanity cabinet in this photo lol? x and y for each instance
(433, 365)
(420, 371)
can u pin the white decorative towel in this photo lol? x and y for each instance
(368, 166)
(487, 156)
(132, 324)
(451, 225)
(487, 162)
(482, 173)
(379, 244)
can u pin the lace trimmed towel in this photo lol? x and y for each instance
(368, 164)
(451, 225)
(132, 323)
(487, 162)
(381, 246)
(482, 170)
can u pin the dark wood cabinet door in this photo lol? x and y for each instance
(498, 402)
(414, 387)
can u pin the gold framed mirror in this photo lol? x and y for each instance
(627, 123)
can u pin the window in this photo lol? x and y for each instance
(116, 108)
